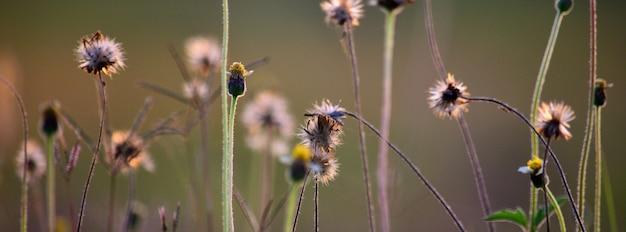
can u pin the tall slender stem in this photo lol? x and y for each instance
(598, 188)
(544, 176)
(228, 163)
(417, 172)
(291, 206)
(533, 208)
(591, 113)
(204, 152)
(432, 40)
(297, 213)
(51, 190)
(103, 102)
(385, 120)
(266, 172)
(24, 203)
(227, 199)
(316, 210)
(357, 106)
(132, 184)
(608, 194)
(110, 221)
(557, 209)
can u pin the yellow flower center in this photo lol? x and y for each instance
(535, 163)
(238, 68)
(302, 152)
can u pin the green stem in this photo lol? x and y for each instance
(110, 221)
(533, 208)
(557, 209)
(228, 166)
(598, 188)
(227, 199)
(544, 176)
(608, 194)
(582, 167)
(290, 210)
(51, 183)
(383, 160)
(357, 107)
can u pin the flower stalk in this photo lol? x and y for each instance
(228, 223)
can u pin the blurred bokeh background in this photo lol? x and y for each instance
(494, 47)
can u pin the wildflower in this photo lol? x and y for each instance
(99, 53)
(321, 132)
(324, 166)
(342, 11)
(326, 107)
(127, 151)
(390, 5)
(301, 157)
(196, 87)
(237, 74)
(553, 120)
(446, 98)
(599, 94)
(49, 123)
(534, 167)
(204, 54)
(35, 163)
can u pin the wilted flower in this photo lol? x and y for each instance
(204, 54)
(553, 120)
(268, 122)
(336, 112)
(196, 87)
(35, 162)
(342, 11)
(324, 166)
(99, 53)
(49, 123)
(446, 98)
(321, 132)
(534, 167)
(128, 152)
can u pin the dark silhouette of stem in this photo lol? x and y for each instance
(295, 219)
(545, 191)
(316, 210)
(417, 172)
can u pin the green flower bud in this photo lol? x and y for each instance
(564, 6)
(599, 94)
(49, 124)
(237, 80)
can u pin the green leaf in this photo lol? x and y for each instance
(540, 216)
(517, 216)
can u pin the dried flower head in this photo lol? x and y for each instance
(98, 53)
(321, 132)
(599, 93)
(342, 11)
(324, 166)
(390, 5)
(336, 112)
(553, 120)
(237, 74)
(446, 98)
(534, 167)
(268, 122)
(204, 54)
(35, 162)
(49, 122)
(196, 87)
(127, 151)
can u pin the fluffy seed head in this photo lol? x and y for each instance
(324, 166)
(321, 132)
(446, 98)
(49, 122)
(336, 112)
(35, 163)
(553, 120)
(342, 11)
(127, 152)
(204, 54)
(99, 54)
(196, 87)
(267, 118)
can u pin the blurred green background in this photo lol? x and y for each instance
(494, 47)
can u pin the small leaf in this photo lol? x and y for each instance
(540, 216)
(517, 216)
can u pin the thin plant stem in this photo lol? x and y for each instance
(51, 189)
(103, 100)
(291, 206)
(228, 223)
(469, 144)
(476, 168)
(204, 152)
(552, 155)
(357, 106)
(38, 205)
(598, 188)
(383, 159)
(70, 205)
(297, 212)
(557, 209)
(591, 113)
(228, 163)
(24, 187)
(544, 176)
(247, 212)
(269, 218)
(132, 184)
(316, 210)
(417, 172)
(110, 221)
(608, 194)
(533, 208)
(266, 172)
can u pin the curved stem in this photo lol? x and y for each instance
(357, 105)
(556, 160)
(103, 100)
(417, 172)
(432, 41)
(598, 188)
(51, 190)
(227, 199)
(24, 203)
(295, 218)
(385, 119)
(557, 209)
